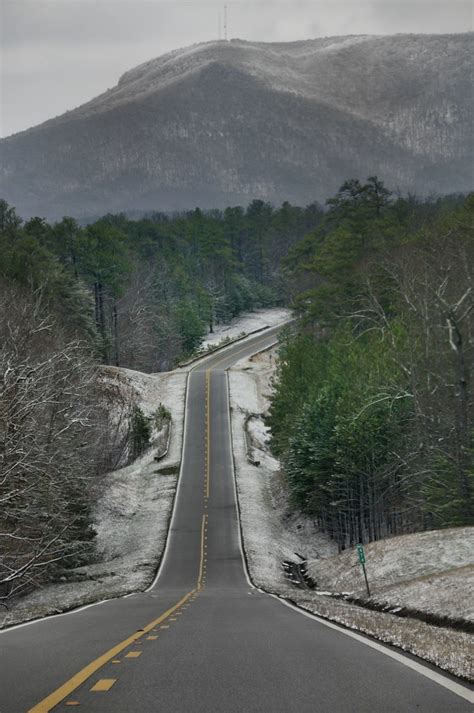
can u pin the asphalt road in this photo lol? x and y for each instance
(202, 639)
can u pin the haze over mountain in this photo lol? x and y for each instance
(225, 122)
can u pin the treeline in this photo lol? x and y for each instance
(147, 291)
(134, 293)
(372, 413)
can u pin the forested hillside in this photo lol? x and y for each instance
(140, 294)
(219, 123)
(145, 292)
(372, 409)
(372, 413)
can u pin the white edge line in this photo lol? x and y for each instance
(458, 688)
(237, 506)
(453, 686)
(178, 491)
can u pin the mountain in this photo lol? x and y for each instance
(225, 122)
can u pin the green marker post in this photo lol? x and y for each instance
(361, 553)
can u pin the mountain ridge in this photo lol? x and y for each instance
(173, 131)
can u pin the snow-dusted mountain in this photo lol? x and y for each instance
(224, 122)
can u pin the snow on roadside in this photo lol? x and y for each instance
(446, 648)
(130, 517)
(134, 505)
(138, 496)
(271, 534)
(448, 594)
(245, 324)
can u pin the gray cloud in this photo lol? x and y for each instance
(58, 54)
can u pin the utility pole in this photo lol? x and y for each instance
(225, 22)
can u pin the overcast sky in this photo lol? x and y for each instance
(57, 54)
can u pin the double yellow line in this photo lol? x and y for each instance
(48, 703)
(207, 445)
(201, 576)
(207, 437)
(78, 679)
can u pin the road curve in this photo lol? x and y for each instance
(202, 639)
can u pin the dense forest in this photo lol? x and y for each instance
(372, 414)
(136, 293)
(146, 292)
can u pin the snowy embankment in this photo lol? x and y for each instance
(131, 514)
(430, 572)
(246, 324)
(271, 532)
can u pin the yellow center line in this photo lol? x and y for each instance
(105, 684)
(201, 563)
(208, 433)
(48, 703)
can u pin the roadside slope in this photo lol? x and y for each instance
(130, 517)
(272, 532)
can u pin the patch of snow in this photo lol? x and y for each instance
(271, 532)
(445, 594)
(245, 324)
(167, 388)
(138, 494)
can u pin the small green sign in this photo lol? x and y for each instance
(360, 552)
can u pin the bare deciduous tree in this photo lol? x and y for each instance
(48, 442)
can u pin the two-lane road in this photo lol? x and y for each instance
(202, 639)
